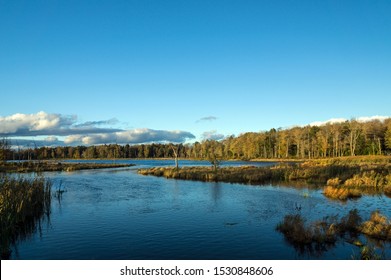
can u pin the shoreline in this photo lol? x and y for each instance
(51, 166)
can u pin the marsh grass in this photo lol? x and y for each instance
(341, 193)
(312, 238)
(243, 174)
(23, 204)
(378, 226)
(43, 166)
(343, 178)
(321, 235)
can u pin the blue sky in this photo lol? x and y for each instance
(169, 65)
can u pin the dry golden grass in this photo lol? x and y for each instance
(22, 203)
(324, 234)
(333, 182)
(341, 193)
(41, 166)
(243, 174)
(351, 160)
(378, 226)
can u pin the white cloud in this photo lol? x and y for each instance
(373, 118)
(330, 121)
(31, 122)
(41, 124)
(212, 135)
(341, 120)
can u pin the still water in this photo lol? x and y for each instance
(118, 214)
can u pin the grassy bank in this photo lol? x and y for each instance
(23, 203)
(41, 166)
(343, 177)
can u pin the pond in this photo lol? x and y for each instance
(118, 214)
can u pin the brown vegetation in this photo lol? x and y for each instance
(341, 193)
(323, 234)
(243, 174)
(41, 166)
(298, 233)
(344, 177)
(378, 226)
(23, 202)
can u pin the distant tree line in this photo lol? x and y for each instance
(349, 138)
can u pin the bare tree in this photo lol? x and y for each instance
(354, 133)
(175, 150)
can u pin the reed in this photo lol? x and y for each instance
(243, 174)
(320, 235)
(378, 226)
(341, 193)
(23, 203)
(43, 166)
(299, 234)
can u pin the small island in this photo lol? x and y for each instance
(342, 178)
(45, 166)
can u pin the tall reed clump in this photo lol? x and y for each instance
(334, 190)
(378, 226)
(341, 193)
(320, 235)
(317, 236)
(23, 203)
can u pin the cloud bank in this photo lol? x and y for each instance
(212, 135)
(341, 120)
(86, 133)
(134, 136)
(42, 124)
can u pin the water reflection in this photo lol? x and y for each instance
(216, 191)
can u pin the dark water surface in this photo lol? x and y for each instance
(118, 214)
